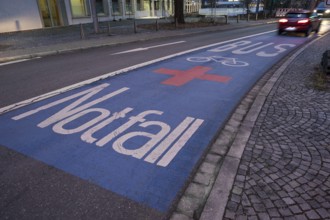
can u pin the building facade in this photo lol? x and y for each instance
(17, 15)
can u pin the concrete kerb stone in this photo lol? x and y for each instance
(215, 205)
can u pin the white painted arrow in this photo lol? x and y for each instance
(147, 48)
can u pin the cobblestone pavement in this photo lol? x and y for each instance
(284, 172)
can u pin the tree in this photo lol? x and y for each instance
(178, 11)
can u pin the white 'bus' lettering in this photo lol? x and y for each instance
(236, 48)
(280, 49)
(230, 46)
(253, 46)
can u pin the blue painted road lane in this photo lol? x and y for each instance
(141, 133)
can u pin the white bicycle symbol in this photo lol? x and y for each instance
(223, 60)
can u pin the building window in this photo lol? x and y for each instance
(79, 8)
(129, 7)
(139, 5)
(101, 7)
(143, 5)
(49, 13)
(116, 9)
(156, 5)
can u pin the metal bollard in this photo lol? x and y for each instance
(109, 29)
(226, 17)
(237, 18)
(135, 28)
(157, 26)
(82, 33)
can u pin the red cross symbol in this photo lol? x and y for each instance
(182, 77)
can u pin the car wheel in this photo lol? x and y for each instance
(280, 32)
(308, 32)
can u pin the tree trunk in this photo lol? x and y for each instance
(94, 15)
(179, 11)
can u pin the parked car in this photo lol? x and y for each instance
(300, 21)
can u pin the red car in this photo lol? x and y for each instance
(299, 21)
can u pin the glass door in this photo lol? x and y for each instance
(49, 13)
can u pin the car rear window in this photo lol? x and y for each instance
(297, 15)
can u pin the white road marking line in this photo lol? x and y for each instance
(12, 62)
(147, 48)
(18, 61)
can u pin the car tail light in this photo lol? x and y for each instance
(283, 20)
(304, 21)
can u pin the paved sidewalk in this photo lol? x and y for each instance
(275, 148)
(284, 172)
